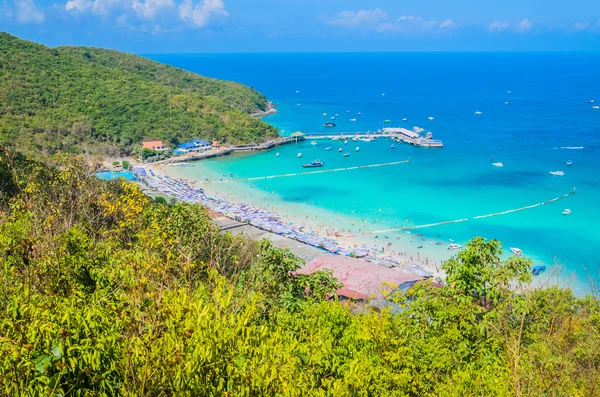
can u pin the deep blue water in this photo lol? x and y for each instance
(547, 111)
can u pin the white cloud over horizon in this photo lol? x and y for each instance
(524, 26)
(198, 14)
(498, 26)
(26, 11)
(359, 18)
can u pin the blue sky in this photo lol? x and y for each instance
(194, 26)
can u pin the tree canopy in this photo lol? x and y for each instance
(81, 99)
(106, 292)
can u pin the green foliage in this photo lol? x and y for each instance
(125, 164)
(90, 100)
(106, 292)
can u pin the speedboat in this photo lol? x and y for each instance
(478, 113)
(313, 143)
(298, 104)
(314, 164)
(346, 154)
(452, 247)
(392, 146)
(299, 155)
(516, 251)
(332, 118)
(297, 91)
(405, 119)
(352, 120)
(347, 111)
(329, 124)
(498, 164)
(325, 114)
(337, 115)
(340, 149)
(596, 107)
(506, 103)
(355, 139)
(383, 94)
(345, 142)
(590, 101)
(357, 149)
(569, 162)
(387, 121)
(508, 92)
(328, 148)
(558, 173)
(567, 212)
(277, 155)
(358, 113)
(539, 269)
(430, 118)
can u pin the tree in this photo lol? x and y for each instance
(478, 272)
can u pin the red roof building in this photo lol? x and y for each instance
(154, 145)
(362, 280)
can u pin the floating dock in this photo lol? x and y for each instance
(397, 134)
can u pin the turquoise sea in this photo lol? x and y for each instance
(547, 112)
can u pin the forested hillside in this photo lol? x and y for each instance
(106, 292)
(80, 99)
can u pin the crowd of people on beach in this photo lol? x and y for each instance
(271, 222)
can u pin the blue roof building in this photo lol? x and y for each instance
(196, 144)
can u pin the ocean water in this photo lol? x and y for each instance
(546, 114)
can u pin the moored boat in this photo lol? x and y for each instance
(340, 149)
(569, 162)
(329, 124)
(346, 154)
(516, 251)
(405, 120)
(430, 118)
(498, 164)
(299, 155)
(313, 143)
(539, 269)
(357, 149)
(567, 212)
(314, 164)
(452, 247)
(387, 121)
(558, 173)
(392, 146)
(277, 155)
(328, 148)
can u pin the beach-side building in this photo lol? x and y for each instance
(215, 144)
(154, 145)
(361, 280)
(196, 145)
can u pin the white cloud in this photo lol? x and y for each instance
(357, 18)
(27, 12)
(580, 25)
(498, 26)
(447, 24)
(149, 9)
(524, 26)
(199, 14)
(79, 5)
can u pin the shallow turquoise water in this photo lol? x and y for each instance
(547, 110)
(110, 175)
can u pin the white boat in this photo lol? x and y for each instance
(299, 155)
(590, 101)
(332, 118)
(297, 91)
(337, 115)
(335, 138)
(454, 247)
(298, 104)
(508, 92)
(405, 119)
(383, 94)
(596, 107)
(345, 142)
(516, 251)
(569, 162)
(346, 154)
(478, 113)
(355, 139)
(313, 143)
(498, 164)
(347, 111)
(567, 212)
(506, 103)
(392, 146)
(328, 148)
(357, 149)
(430, 118)
(352, 119)
(340, 149)
(558, 173)
(359, 113)
(277, 155)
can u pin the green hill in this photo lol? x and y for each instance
(81, 99)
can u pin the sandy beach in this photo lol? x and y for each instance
(401, 248)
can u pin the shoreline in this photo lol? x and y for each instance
(390, 251)
(271, 109)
